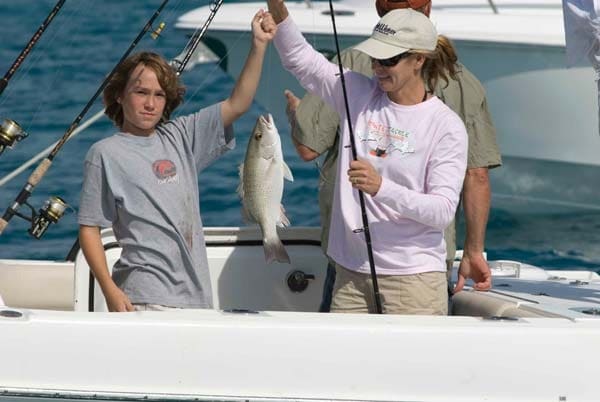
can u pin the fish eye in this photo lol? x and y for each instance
(258, 136)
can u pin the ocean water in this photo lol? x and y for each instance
(70, 61)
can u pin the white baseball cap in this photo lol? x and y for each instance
(399, 31)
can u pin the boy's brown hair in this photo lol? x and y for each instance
(167, 78)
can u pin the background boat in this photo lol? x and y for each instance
(545, 114)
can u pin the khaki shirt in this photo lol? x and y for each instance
(317, 128)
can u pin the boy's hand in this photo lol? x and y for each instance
(263, 27)
(117, 300)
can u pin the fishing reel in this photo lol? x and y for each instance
(10, 132)
(53, 209)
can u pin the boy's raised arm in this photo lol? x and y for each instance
(263, 31)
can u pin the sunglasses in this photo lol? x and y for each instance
(392, 61)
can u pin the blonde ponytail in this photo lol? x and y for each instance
(441, 63)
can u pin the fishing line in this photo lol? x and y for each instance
(10, 131)
(180, 61)
(226, 55)
(201, 86)
(174, 10)
(71, 15)
(34, 39)
(56, 74)
(268, 70)
(84, 126)
(55, 208)
(46, 150)
(41, 104)
(361, 197)
(191, 95)
(195, 40)
(68, 15)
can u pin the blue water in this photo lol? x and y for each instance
(70, 61)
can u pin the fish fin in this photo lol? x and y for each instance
(275, 251)
(283, 220)
(240, 187)
(287, 172)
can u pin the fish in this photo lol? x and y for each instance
(261, 186)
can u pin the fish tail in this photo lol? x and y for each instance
(275, 251)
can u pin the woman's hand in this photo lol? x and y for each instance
(263, 28)
(278, 9)
(364, 177)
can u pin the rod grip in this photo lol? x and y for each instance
(39, 172)
(3, 84)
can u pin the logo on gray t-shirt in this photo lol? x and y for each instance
(165, 170)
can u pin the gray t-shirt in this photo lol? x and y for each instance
(146, 188)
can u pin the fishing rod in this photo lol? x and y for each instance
(190, 48)
(34, 39)
(361, 196)
(42, 154)
(10, 131)
(54, 208)
(179, 63)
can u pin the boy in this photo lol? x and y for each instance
(143, 182)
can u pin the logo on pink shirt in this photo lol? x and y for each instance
(384, 140)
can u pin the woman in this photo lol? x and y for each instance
(411, 162)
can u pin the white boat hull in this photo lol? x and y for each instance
(212, 355)
(535, 337)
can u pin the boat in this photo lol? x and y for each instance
(542, 110)
(534, 337)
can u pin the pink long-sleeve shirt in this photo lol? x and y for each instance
(419, 150)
